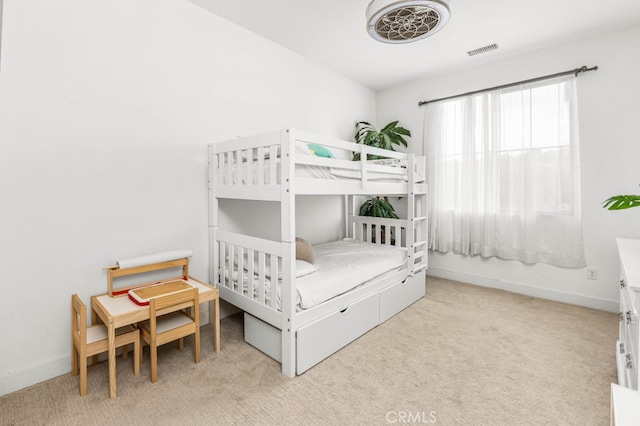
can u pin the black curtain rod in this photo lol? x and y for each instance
(517, 83)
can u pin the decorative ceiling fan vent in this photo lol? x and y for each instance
(405, 21)
(483, 49)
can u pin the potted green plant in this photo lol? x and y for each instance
(390, 135)
(378, 207)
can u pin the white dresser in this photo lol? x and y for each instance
(627, 345)
(625, 406)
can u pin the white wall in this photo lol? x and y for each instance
(106, 110)
(1, 34)
(609, 113)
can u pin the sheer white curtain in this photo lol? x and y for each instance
(504, 174)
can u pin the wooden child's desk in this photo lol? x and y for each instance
(116, 309)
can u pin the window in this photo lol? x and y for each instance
(504, 174)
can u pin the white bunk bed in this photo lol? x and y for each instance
(277, 167)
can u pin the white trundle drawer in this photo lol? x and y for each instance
(399, 296)
(327, 335)
(263, 337)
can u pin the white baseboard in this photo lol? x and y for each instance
(526, 289)
(21, 379)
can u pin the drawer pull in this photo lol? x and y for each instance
(621, 283)
(621, 316)
(629, 317)
(629, 362)
(621, 348)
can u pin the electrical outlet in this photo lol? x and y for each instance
(592, 273)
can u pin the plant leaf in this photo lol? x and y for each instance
(364, 208)
(371, 138)
(389, 126)
(402, 131)
(387, 141)
(621, 202)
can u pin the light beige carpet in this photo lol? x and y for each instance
(463, 355)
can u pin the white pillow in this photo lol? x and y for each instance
(304, 268)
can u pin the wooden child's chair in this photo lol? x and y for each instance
(89, 341)
(171, 317)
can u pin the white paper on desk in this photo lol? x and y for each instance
(165, 256)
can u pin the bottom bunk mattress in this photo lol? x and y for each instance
(339, 266)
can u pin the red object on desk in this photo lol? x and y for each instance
(141, 295)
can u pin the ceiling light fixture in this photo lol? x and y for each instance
(393, 21)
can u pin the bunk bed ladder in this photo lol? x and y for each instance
(420, 227)
(417, 206)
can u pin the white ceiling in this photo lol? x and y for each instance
(333, 32)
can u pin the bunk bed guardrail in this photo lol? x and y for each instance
(255, 161)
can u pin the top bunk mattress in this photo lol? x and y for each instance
(249, 176)
(250, 171)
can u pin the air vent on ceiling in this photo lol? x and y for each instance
(404, 21)
(483, 49)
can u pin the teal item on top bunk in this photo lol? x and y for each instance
(320, 151)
